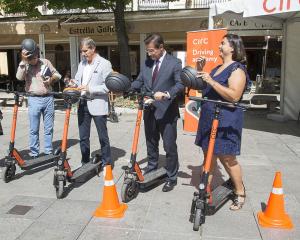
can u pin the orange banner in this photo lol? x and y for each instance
(205, 44)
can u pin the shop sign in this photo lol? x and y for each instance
(80, 29)
(236, 22)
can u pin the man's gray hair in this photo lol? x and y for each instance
(90, 43)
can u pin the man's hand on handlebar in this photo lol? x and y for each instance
(160, 96)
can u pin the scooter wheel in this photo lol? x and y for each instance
(114, 117)
(60, 189)
(9, 173)
(130, 190)
(199, 216)
(193, 210)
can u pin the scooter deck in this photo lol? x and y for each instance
(88, 167)
(36, 162)
(151, 176)
(220, 196)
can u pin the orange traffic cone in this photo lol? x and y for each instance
(274, 215)
(110, 206)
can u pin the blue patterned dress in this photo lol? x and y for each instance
(228, 140)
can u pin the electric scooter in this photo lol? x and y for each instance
(205, 202)
(134, 178)
(63, 171)
(14, 157)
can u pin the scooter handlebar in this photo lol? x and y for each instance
(19, 93)
(139, 93)
(222, 103)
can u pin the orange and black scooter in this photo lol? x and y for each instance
(63, 171)
(134, 177)
(14, 157)
(206, 202)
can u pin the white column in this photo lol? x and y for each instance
(142, 49)
(211, 17)
(74, 54)
(42, 45)
(283, 68)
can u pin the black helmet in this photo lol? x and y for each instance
(30, 46)
(71, 95)
(189, 78)
(117, 82)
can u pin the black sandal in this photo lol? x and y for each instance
(238, 200)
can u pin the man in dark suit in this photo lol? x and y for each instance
(161, 74)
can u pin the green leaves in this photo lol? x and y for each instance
(30, 7)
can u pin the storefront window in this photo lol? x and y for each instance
(264, 62)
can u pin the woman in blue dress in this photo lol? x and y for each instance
(226, 82)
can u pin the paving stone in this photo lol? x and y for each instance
(39, 206)
(98, 232)
(232, 224)
(133, 218)
(11, 228)
(69, 212)
(52, 231)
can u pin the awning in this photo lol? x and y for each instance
(277, 8)
(29, 27)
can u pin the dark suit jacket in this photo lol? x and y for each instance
(168, 79)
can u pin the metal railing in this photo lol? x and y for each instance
(188, 4)
(203, 3)
(152, 5)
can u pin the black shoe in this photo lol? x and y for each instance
(148, 170)
(169, 185)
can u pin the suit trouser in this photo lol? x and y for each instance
(84, 123)
(168, 131)
(1, 129)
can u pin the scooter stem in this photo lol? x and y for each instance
(212, 140)
(14, 122)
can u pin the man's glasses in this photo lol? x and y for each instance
(151, 50)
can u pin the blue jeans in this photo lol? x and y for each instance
(38, 106)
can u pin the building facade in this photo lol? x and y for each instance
(59, 32)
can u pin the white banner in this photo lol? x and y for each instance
(253, 8)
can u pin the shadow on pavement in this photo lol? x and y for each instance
(116, 153)
(195, 176)
(257, 120)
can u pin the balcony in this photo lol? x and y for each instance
(152, 5)
(203, 3)
(179, 4)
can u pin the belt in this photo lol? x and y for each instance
(44, 95)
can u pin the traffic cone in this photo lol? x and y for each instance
(274, 215)
(110, 206)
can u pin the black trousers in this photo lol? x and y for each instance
(84, 123)
(168, 132)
